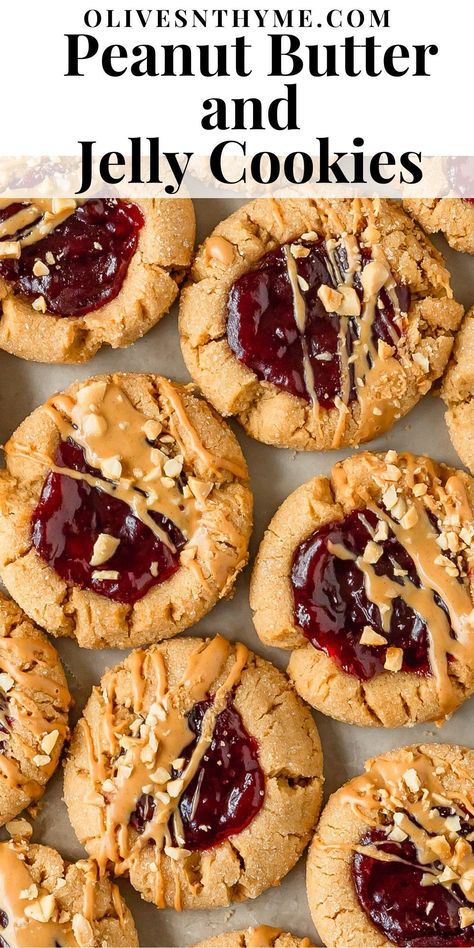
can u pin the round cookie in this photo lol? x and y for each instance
(76, 275)
(392, 861)
(453, 217)
(193, 761)
(125, 511)
(46, 901)
(368, 577)
(457, 391)
(317, 323)
(34, 704)
(264, 936)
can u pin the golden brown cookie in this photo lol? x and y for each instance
(194, 760)
(458, 390)
(317, 323)
(264, 936)
(453, 217)
(125, 511)
(368, 577)
(47, 901)
(34, 704)
(393, 861)
(75, 276)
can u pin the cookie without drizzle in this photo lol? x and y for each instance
(320, 323)
(452, 217)
(367, 577)
(392, 862)
(125, 511)
(34, 705)
(263, 936)
(458, 390)
(193, 761)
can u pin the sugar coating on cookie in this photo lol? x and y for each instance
(263, 936)
(46, 901)
(193, 761)
(452, 217)
(367, 577)
(393, 858)
(125, 511)
(457, 391)
(76, 275)
(34, 704)
(317, 323)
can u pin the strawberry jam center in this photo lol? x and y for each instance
(407, 912)
(331, 606)
(228, 789)
(92, 250)
(263, 334)
(70, 516)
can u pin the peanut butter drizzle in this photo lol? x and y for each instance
(420, 542)
(387, 787)
(168, 735)
(299, 313)
(263, 937)
(23, 931)
(48, 214)
(220, 249)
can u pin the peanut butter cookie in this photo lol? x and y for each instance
(458, 391)
(368, 578)
(453, 217)
(46, 901)
(393, 860)
(194, 760)
(34, 704)
(125, 511)
(317, 323)
(264, 936)
(75, 275)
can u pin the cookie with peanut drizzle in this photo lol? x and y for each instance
(263, 936)
(125, 511)
(452, 217)
(192, 759)
(34, 704)
(47, 901)
(458, 391)
(367, 577)
(77, 275)
(317, 323)
(393, 858)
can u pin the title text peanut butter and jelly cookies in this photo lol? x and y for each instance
(75, 275)
(393, 858)
(193, 761)
(34, 704)
(45, 901)
(125, 511)
(317, 323)
(367, 576)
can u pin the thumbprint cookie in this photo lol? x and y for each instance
(34, 704)
(193, 762)
(392, 862)
(452, 217)
(263, 936)
(458, 390)
(125, 511)
(367, 576)
(317, 323)
(76, 275)
(47, 901)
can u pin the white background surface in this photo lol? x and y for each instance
(274, 474)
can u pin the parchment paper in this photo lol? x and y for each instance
(274, 474)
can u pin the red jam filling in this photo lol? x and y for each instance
(469, 200)
(397, 903)
(228, 789)
(71, 515)
(331, 606)
(262, 332)
(92, 250)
